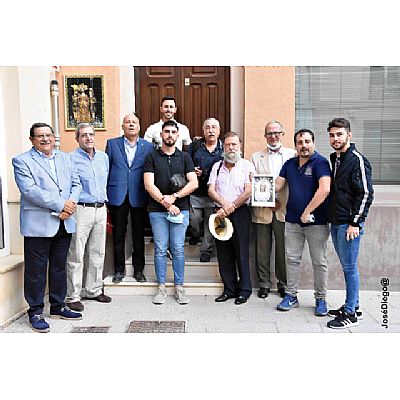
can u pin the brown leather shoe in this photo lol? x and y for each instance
(101, 298)
(76, 306)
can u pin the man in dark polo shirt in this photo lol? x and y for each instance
(309, 177)
(204, 152)
(169, 178)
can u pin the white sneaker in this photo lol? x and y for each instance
(180, 295)
(160, 296)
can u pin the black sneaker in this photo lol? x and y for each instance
(335, 313)
(343, 320)
(118, 276)
(194, 240)
(139, 276)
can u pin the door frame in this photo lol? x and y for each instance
(236, 87)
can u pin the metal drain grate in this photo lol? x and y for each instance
(90, 329)
(156, 327)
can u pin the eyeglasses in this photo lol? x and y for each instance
(269, 134)
(45, 136)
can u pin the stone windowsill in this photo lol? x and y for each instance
(8, 263)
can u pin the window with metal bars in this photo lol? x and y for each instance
(369, 97)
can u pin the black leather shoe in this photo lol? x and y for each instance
(139, 276)
(205, 257)
(194, 240)
(240, 300)
(118, 277)
(263, 292)
(222, 298)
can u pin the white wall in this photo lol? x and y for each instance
(127, 91)
(25, 93)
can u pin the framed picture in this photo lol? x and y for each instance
(263, 191)
(84, 101)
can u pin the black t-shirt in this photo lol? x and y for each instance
(164, 166)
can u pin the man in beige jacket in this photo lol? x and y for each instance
(271, 219)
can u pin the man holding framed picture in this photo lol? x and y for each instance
(271, 220)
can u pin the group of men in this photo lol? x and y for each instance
(65, 197)
(316, 196)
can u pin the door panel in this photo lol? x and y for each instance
(208, 91)
(151, 85)
(200, 92)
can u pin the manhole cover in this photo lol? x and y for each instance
(90, 329)
(156, 327)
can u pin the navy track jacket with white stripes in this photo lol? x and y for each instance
(351, 189)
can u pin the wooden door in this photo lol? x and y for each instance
(200, 92)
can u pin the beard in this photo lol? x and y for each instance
(232, 157)
(169, 142)
(339, 146)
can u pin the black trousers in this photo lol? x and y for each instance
(233, 255)
(40, 252)
(119, 219)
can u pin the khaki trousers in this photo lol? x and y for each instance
(263, 252)
(90, 234)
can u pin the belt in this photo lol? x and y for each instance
(95, 205)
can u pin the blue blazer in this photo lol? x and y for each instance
(42, 195)
(123, 179)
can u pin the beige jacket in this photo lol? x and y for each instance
(261, 161)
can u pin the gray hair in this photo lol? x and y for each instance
(216, 122)
(274, 122)
(232, 134)
(81, 126)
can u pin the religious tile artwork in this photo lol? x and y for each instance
(84, 101)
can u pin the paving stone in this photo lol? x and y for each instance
(203, 314)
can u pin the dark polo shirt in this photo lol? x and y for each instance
(164, 166)
(303, 183)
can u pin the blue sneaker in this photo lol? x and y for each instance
(321, 308)
(288, 303)
(39, 324)
(66, 313)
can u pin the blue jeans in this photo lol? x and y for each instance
(347, 252)
(166, 234)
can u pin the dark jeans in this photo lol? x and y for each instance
(40, 251)
(233, 255)
(119, 219)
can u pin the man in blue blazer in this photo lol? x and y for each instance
(126, 193)
(50, 189)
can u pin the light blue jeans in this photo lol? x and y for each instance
(347, 252)
(168, 234)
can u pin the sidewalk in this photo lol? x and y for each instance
(203, 315)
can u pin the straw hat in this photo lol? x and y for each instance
(221, 229)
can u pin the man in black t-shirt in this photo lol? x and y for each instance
(169, 178)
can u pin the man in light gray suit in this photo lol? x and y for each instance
(50, 188)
